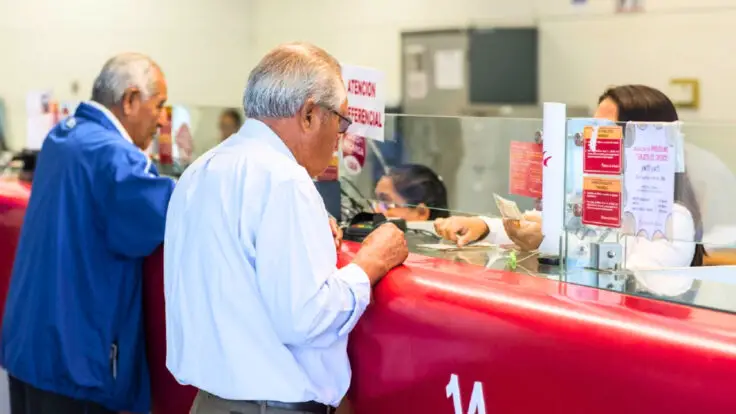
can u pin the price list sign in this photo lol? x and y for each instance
(650, 179)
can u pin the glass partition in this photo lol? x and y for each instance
(472, 156)
(476, 158)
(647, 205)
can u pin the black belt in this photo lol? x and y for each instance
(307, 407)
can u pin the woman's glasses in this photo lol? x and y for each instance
(379, 206)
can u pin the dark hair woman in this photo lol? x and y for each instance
(640, 103)
(412, 192)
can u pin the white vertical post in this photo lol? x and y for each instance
(554, 125)
(4, 393)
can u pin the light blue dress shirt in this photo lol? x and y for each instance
(255, 306)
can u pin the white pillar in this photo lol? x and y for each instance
(554, 126)
(4, 393)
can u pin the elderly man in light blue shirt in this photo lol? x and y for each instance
(257, 314)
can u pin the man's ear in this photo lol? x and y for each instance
(308, 115)
(131, 100)
(423, 211)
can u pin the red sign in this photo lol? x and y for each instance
(353, 153)
(525, 169)
(602, 202)
(607, 156)
(330, 173)
(164, 141)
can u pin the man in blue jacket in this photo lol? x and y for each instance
(72, 336)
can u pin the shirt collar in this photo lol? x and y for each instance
(112, 118)
(253, 128)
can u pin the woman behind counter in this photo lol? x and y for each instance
(411, 192)
(637, 103)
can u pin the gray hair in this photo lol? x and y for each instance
(122, 72)
(288, 76)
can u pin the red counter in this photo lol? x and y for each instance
(14, 196)
(533, 345)
(439, 331)
(525, 344)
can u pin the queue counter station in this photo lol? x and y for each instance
(576, 326)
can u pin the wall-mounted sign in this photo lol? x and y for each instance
(525, 169)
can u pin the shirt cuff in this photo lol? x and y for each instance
(496, 232)
(360, 286)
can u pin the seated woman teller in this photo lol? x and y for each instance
(411, 192)
(623, 103)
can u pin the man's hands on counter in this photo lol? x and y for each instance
(461, 230)
(383, 249)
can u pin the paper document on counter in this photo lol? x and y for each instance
(447, 246)
(508, 209)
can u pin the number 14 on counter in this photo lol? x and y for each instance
(477, 399)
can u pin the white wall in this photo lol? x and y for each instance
(584, 49)
(367, 32)
(207, 48)
(203, 47)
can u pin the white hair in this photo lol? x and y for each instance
(122, 72)
(288, 76)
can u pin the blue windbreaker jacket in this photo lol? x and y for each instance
(73, 321)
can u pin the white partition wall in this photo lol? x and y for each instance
(553, 176)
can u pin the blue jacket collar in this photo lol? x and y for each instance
(97, 113)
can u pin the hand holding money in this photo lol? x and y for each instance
(507, 208)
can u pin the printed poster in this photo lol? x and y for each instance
(649, 180)
(602, 201)
(183, 140)
(417, 84)
(525, 169)
(603, 150)
(165, 146)
(449, 69)
(41, 116)
(366, 89)
(332, 172)
(353, 154)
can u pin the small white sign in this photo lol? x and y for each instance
(416, 85)
(449, 69)
(649, 180)
(41, 116)
(366, 89)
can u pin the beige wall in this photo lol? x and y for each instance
(203, 47)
